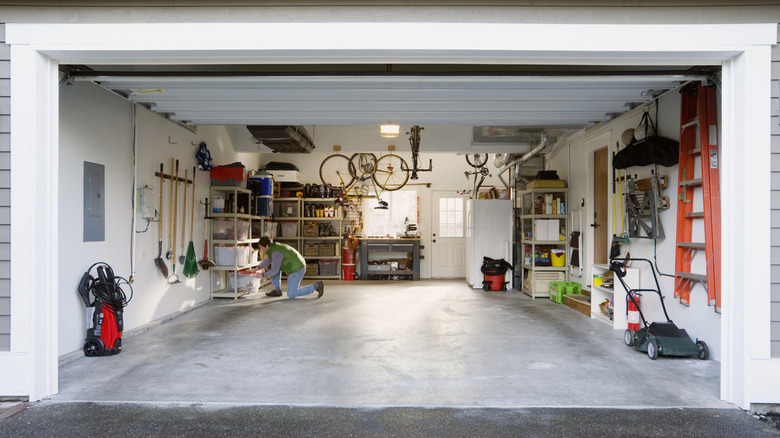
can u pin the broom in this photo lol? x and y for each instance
(191, 262)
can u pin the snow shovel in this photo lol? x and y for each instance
(159, 261)
(191, 262)
(173, 278)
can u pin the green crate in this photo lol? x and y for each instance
(573, 287)
(557, 290)
(560, 288)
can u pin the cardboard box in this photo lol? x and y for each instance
(311, 250)
(546, 184)
(286, 175)
(327, 249)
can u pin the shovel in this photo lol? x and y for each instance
(191, 262)
(173, 278)
(159, 261)
(169, 253)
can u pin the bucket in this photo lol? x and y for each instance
(558, 257)
(348, 271)
(347, 256)
(264, 205)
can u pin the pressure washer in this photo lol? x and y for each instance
(104, 313)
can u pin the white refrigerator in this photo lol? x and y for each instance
(488, 234)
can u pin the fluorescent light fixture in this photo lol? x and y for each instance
(390, 130)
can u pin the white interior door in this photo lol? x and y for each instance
(448, 235)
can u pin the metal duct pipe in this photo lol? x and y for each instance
(530, 154)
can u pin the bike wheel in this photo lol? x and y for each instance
(336, 171)
(476, 160)
(389, 173)
(364, 165)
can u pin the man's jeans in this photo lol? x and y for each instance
(293, 281)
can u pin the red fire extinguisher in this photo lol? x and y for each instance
(632, 311)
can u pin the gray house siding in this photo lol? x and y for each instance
(5, 192)
(775, 204)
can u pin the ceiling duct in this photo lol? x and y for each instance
(285, 139)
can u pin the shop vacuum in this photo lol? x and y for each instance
(104, 313)
(494, 272)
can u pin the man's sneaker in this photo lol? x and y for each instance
(274, 293)
(320, 288)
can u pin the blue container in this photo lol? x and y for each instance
(264, 205)
(266, 185)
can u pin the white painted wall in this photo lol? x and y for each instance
(96, 126)
(698, 319)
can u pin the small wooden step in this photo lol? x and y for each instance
(578, 302)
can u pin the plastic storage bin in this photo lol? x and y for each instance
(328, 267)
(264, 205)
(286, 208)
(289, 229)
(225, 256)
(228, 176)
(225, 229)
(248, 281)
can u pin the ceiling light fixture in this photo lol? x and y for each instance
(389, 130)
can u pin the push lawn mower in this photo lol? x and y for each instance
(663, 338)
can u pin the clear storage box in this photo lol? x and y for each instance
(289, 229)
(328, 267)
(226, 229)
(248, 280)
(224, 255)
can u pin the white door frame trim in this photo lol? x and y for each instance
(37, 49)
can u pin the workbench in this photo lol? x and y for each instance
(378, 255)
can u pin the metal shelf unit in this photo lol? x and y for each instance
(239, 197)
(542, 225)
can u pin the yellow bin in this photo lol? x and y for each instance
(558, 257)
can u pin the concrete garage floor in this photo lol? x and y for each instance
(428, 343)
(428, 358)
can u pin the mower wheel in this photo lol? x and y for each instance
(704, 351)
(652, 349)
(629, 338)
(93, 347)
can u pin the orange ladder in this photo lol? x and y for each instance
(698, 139)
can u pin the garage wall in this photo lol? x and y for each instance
(699, 319)
(97, 126)
(775, 214)
(5, 193)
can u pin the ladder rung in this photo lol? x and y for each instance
(692, 245)
(695, 215)
(695, 151)
(691, 182)
(693, 121)
(694, 277)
